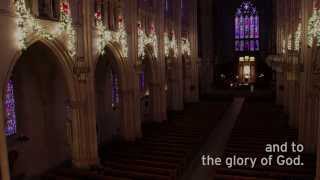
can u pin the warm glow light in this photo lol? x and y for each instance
(144, 40)
(297, 39)
(185, 47)
(170, 44)
(28, 25)
(284, 46)
(106, 36)
(290, 42)
(314, 28)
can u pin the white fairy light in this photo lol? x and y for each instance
(284, 46)
(297, 39)
(66, 26)
(28, 25)
(185, 46)
(106, 36)
(170, 44)
(144, 40)
(314, 28)
(290, 42)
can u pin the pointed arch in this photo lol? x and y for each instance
(120, 65)
(64, 62)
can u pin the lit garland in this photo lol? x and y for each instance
(297, 39)
(170, 45)
(166, 44)
(290, 42)
(121, 37)
(185, 46)
(66, 25)
(284, 46)
(314, 28)
(27, 24)
(144, 40)
(105, 36)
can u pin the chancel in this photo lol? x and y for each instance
(159, 89)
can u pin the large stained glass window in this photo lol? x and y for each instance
(115, 89)
(10, 109)
(246, 28)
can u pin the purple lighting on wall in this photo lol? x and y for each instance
(246, 28)
(10, 108)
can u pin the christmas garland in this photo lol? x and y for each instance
(170, 45)
(106, 36)
(27, 25)
(314, 28)
(144, 40)
(185, 47)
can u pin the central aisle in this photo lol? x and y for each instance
(261, 122)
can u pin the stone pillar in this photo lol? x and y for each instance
(177, 89)
(160, 26)
(194, 51)
(4, 164)
(84, 145)
(130, 12)
(305, 124)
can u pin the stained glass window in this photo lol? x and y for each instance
(142, 81)
(10, 108)
(115, 88)
(247, 28)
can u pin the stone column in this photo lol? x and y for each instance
(305, 124)
(318, 141)
(4, 164)
(194, 50)
(130, 12)
(85, 152)
(177, 89)
(160, 26)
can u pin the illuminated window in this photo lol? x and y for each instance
(10, 109)
(115, 88)
(247, 28)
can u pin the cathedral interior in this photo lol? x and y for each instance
(160, 89)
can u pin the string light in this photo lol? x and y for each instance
(290, 42)
(170, 45)
(185, 46)
(314, 28)
(27, 25)
(144, 40)
(106, 36)
(66, 25)
(297, 39)
(284, 46)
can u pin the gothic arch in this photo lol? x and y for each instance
(64, 62)
(121, 67)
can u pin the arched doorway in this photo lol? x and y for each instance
(109, 86)
(37, 112)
